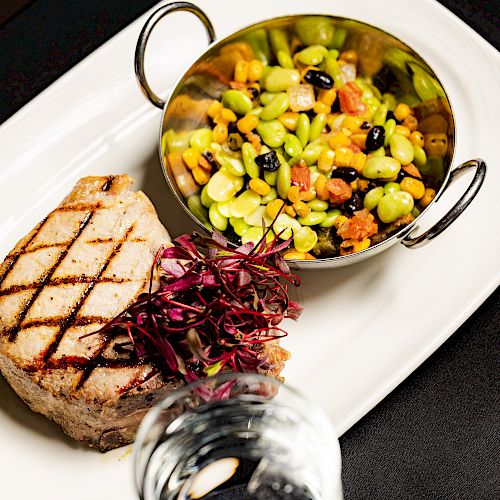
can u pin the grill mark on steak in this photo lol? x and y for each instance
(70, 318)
(15, 257)
(107, 185)
(12, 334)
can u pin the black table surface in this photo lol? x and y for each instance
(436, 435)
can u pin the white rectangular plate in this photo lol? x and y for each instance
(364, 328)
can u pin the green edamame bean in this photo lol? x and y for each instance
(333, 69)
(312, 152)
(260, 45)
(372, 197)
(272, 133)
(419, 156)
(230, 163)
(392, 206)
(236, 100)
(284, 60)
(317, 125)
(272, 195)
(216, 218)
(339, 38)
(380, 115)
(389, 128)
(284, 179)
(318, 205)
(287, 224)
(279, 41)
(313, 55)
(315, 31)
(276, 107)
(303, 129)
(373, 104)
(267, 97)
(205, 199)
(293, 147)
(248, 153)
(381, 168)
(201, 139)
(279, 79)
(271, 177)
(197, 209)
(390, 101)
(255, 111)
(312, 218)
(331, 215)
(391, 187)
(367, 90)
(401, 149)
(305, 239)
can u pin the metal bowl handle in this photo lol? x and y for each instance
(140, 48)
(458, 208)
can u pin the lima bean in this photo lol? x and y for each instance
(224, 207)
(292, 145)
(272, 195)
(284, 60)
(196, 207)
(205, 199)
(223, 185)
(279, 79)
(286, 224)
(270, 177)
(318, 205)
(272, 133)
(315, 31)
(279, 41)
(276, 107)
(389, 127)
(255, 234)
(331, 216)
(419, 156)
(381, 114)
(284, 178)
(236, 100)
(312, 152)
(230, 163)
(401, 149)
(305, 239)
(216, 218)
(257, 216)
(381, 168)
(303, 129)
(267, 97)
(372, 197)
(239, 225)
(248, 153)
(313, 55)
(391, 187)
(245, 204)
(392, 206)
(201, 139)
(312, 218)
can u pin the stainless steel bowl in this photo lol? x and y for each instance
(208, 77)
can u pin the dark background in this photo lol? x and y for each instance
(435, 436)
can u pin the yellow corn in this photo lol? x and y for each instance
(360, 245)
(290, 211)
(413, 186)
(400, 129)
(226, 115)
(255, 70)
(321, 107)
(363, 185)
(349, 56)
(214, 109)
(201, 176)
(358, 161)
(294, 255)
(343, 156)
(321, 189)
(429, 195)
(325, 160)
(417, 138)
(308, 195)
(294, 194)
(220, 133)
(274, 207)
(289, 120)
(241, 71)
(301, 208)
(191, 157)
(204, 163)
(354, 185)
(410, 122)
(359, 140)
(247, 123)
(327, 96)
(346, 131)
(338, 140)
(339, 220)
(352, 123)
(259, 186)
(402, 111)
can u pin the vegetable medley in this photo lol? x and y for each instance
(301, 145)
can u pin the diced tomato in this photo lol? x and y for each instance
(350, 100)
(339, 190)
(362, 225)
(301, 176)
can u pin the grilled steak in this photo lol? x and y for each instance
(76, 270)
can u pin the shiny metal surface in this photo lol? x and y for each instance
(210, 74)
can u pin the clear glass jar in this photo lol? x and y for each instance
(237, 436)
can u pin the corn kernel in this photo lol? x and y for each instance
(259, 186)
(289, 210)
(359, 140)
(321, 189)
(227, 115)
(204, 163)
(417, 138)
(358, 161)
(274, 207)
(255, 70)
(413, 186)
(327, 96)
(308, 195)
(214, 109)
(400, 129)
(301, 208)
(220, 133)
(358, 246)
(338, 140)
(429, 195)
(352, 123)
(411, 123)
(321, 107)
(294, 255)
(294, 194)
(354, 185)
(201, 176)
(310, 257)
(304, 70)
(402, 111)
(363, 185)
(349, 56)
(289, 120)
(325, 160)
(346, 131)
(339, 220)
(247, 123)
(241, 71)
(343, 156)
(190, 157)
